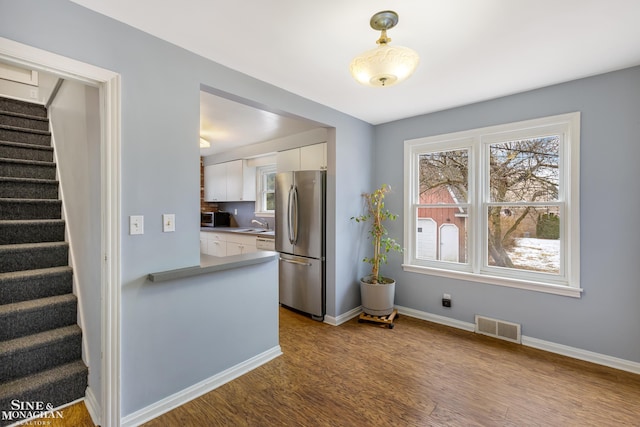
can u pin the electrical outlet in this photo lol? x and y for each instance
(446, 300)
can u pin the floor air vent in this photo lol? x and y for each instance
(498, 328)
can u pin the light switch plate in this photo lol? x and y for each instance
(136, 224)
(168, 223)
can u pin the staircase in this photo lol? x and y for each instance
(40, 340)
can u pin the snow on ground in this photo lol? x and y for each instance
(536, 254)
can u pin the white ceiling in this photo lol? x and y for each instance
(470, 50)
(227, 124)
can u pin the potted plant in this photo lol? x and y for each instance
(378, 292)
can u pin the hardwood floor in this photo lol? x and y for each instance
(417, 374)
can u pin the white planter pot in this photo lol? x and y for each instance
(377, 300)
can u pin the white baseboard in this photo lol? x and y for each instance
(93, 406)
(345, 317)
(442, 320)
(588, 356)
(171, 402)
(576, 353)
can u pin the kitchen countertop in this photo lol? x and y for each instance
(251, 231)
(212, 264)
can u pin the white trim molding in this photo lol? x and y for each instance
(587, 356)
(442, 320)
(344, 317)
(551, 347)
(180, 398)
(477, 143)
(108, 83)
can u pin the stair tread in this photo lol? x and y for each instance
(25, 145)
(38, 340)
(29, 180)
(34, 273)
(25, 130)
(36, 303)
(28, 162)
(12, 200)
(18, 246)
(37, 380)
(30, 221)
(23, 115)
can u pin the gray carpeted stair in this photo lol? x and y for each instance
(40, 340)
(28, 188)
(17, 286)
(11, 209)
(58, 386)
(31, 231)
(19, 168)
(39, 351)
(18, 150)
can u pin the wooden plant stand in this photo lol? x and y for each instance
(385, 320)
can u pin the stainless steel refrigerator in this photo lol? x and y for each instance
(300, 239)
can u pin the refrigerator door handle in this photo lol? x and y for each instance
(290, 215)
(290, 261)
(296, 210)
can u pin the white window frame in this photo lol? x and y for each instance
(261, 171)
(477, 141)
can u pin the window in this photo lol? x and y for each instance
(497, 205)
(266, 190)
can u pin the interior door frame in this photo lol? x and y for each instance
(108, 84)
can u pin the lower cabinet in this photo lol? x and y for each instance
(240, 244)
(217, 248)
(226, 244)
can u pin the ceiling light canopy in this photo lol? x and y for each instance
(385, 65)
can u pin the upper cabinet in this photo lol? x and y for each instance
(229, 182)
(310, 157)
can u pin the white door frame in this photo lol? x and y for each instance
(108, 84)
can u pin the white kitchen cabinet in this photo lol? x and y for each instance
(313, 157)
(240, 244)
(217, 248)
(226, 244)
(288, 160)
(310, 157)
(203, 244)
(213, 244)
(229, 182)
(215, 182)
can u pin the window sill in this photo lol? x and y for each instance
(264, 214)
(498, 281)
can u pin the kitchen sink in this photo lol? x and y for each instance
(250, 230)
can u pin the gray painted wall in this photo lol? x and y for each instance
(75, 124)
(164, 325)
(605, 320)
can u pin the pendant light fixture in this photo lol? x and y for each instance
(385, 65)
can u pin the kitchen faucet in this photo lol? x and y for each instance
(264, 224)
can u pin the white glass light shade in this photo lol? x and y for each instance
(384, 66)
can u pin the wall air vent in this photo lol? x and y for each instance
(498, 328)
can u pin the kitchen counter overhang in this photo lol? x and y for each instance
(212, 264)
